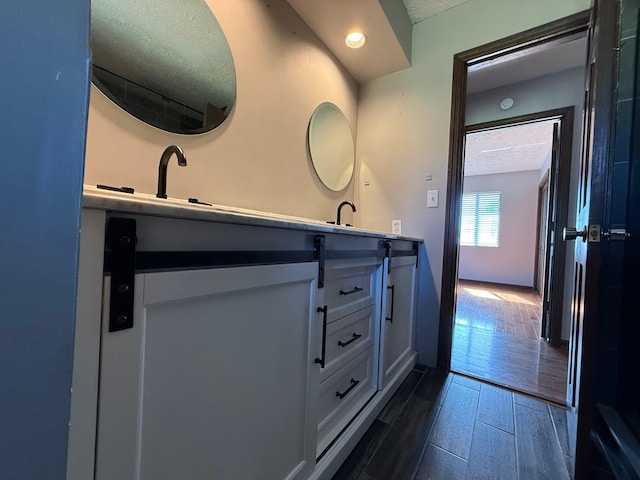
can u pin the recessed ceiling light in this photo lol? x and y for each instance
(355, 39)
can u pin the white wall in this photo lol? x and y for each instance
(513, 261)
(258, 158)
(403, 132)
(562, 89)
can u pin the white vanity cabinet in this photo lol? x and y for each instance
(214, 346)
(212, 381)
(399, 318)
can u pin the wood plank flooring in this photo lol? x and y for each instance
(495, 339)
(448, 426)
(525, 365)
(500, 308)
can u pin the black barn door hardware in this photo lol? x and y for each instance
(341, 395)
(121, 244)
(321, 252)
(321, 359)
(387, 254)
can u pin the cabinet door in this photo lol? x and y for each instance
(398, 321)
(212, 381)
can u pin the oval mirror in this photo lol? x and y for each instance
(165, 62)
(331, 146)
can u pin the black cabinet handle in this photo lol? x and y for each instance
(346, 392)
(351, 340)
(349, 292)
(321, 359)
(393, 295)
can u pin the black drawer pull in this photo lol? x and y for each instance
(355, 290)
(321, 360)
(346, 392)
(351, 340)
(393, 294)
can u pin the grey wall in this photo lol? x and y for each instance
(513, 261)
(43, 121)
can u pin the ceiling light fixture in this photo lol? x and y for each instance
(355, 39)
(506, 103)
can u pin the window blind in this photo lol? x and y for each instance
(480, 222)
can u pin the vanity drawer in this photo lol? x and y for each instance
(343, 395)
(349, 286)
(346, 338)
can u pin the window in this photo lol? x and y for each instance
(480, 225)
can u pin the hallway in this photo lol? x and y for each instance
(496, 338)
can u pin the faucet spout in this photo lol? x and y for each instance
(162, 168)
(353, 207)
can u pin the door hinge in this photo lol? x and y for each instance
(616, 234)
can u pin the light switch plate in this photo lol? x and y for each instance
(396, 227)
(432, 198)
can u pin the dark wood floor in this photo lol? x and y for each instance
(445, 426)
(513, 360)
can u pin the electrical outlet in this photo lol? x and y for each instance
(432, 198)
(396, 227)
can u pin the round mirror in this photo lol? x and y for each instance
(331, 146)
(165, 62)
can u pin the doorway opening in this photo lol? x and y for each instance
(517, 48)
(505, 267)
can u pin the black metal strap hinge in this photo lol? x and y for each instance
(121, 246)
(387, 254)
(321, 252)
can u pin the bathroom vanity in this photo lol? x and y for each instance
(219, 343)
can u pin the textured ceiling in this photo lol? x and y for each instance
(418, 10)
(383, 53)
(174, 48)
(528, 64)
(513, 149)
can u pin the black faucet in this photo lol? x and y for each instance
(353, 207)
(162, 169)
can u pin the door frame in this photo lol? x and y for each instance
(541, 37)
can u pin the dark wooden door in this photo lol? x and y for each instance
(592, 188)
(550, 331)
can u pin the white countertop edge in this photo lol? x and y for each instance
(142, 203)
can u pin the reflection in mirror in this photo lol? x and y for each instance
(165, 62)
(331, 146)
